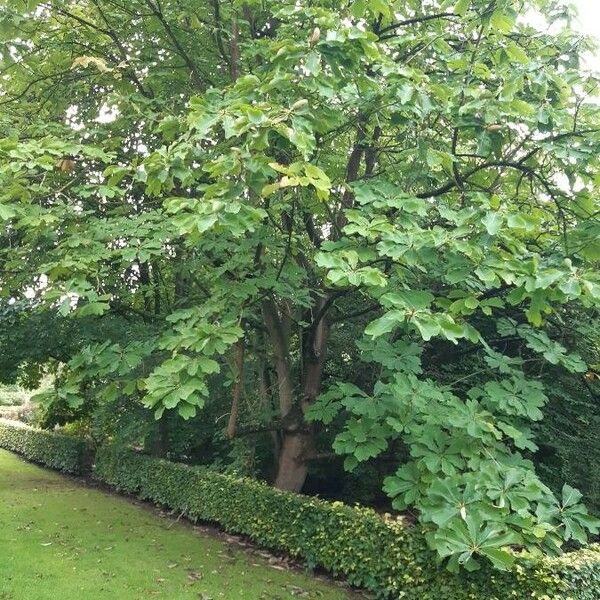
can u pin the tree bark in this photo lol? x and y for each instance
(279, 337)
(292, 468)
(157, 445)
(146, 284)
(234, 51)
(264, 390)
(298, 435)
(237, 388)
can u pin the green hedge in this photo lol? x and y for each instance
(380, 554)
(62, 452)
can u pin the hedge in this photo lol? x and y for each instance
(381, 554)
(61, 452)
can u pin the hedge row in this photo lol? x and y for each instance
(380, 554)
(61, 452)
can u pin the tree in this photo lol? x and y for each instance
(252, 180)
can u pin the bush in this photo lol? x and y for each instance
(381, 554)
(61, 452)
(12, 395)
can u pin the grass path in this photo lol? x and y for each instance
(60, 540)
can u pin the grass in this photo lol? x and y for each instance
(62, 540)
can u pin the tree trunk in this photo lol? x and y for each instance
(279, 336)
(292, 468)
(146, 284)
(264, 390)
(298, 435)
(157, 445)
(237, 388)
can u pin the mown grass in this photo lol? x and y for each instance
(60, 540)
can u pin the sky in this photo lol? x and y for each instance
(589, 23)
(589, 16)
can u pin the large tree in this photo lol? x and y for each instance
(256, 181)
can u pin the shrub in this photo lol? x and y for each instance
(62, 452)
(381, 554)
(12, 395)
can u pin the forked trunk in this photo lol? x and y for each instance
(298, 436)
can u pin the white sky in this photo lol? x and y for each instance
(589, 16)
(589, 22)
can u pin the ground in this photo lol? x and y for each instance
(63, 540)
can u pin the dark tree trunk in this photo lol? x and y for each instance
(158, 444)
(264, 390)
(298, 443)
(237, 388)
(146, 285)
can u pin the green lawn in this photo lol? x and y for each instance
(60, 540)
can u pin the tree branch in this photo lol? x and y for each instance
(195, 74)
(414, 21)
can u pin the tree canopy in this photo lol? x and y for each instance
(367, 223)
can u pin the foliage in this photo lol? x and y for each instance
(384, 555)
(236, 189)
(569, 449)
(64, 453)
(11, 395)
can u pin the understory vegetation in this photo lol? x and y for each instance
(61, 452)
(349, 249)
(384, 554)
(387, 555)
(13, 395)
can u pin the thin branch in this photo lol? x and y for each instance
(358, 313)
(123, 53)
(195, 74)
(414, 21)
(217, 32)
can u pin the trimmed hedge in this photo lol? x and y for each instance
(61, 452)
(380, 554)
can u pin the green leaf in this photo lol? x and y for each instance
(516, 221)
(517, 53)
(461, 7)
(381, 7)
(358, 8)
(384, 324)
(7, 212)
(409, 299)
(502, 21)
(501, 559)
(427, 325)
(186, 411)
(208, 365)
(92, 308)
(570, 496)
(492, 222)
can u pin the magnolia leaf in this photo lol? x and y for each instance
(492, 222)
(86, 61)
(502, 21)
(385, 324)
(7, 212)
(461, 7)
